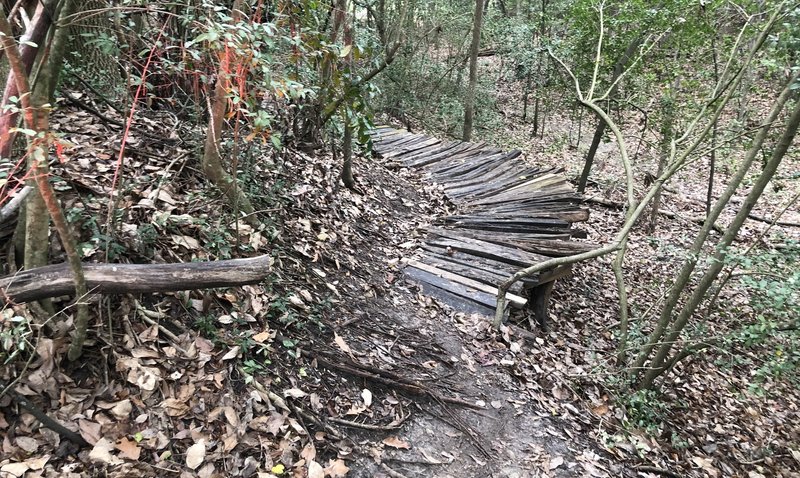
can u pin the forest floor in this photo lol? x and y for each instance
(338, 366)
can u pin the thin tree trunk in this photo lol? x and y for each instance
(526, 94)
(600, 130)
(657, 366)
(469, 101)
(35, 35)
(347, 155)
(683, 276)
(37, 118)
(211, 161)
(667, 135)
(713, 156)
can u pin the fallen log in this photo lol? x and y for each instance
(56, 280)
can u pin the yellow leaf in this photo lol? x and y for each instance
(278, 469)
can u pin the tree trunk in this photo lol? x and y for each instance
(211, 162)
(667, 134)
(712, 166)
(37, 118)
(469, 101)
(600, 130)
(347, 155)
(657, 366)
(526, 94)
(35, 34)
(684, 275)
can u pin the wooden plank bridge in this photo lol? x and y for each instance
(510, 215)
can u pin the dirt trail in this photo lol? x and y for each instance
(512, 434)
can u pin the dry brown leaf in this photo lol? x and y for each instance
(196, 454)
(341, 344)
(232, 353)
(143, 377)
(395, 442)
(294, 393)
(336, 469)
(555, 462)
(14, 469)
(262, 337)
(28, 444)
(90, 430)
(128, 449)
(174, 407)
(122, 409)
(315, 470)
(101, 453)
(309, 452)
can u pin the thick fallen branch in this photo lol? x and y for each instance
(56, 280)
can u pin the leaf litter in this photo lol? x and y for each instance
(338, 366)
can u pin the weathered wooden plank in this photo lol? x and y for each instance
(384, 141)
(496, 177)
(505, 228)
(567, 214)
(409, 159)
(520, 221)
(489, 250)
(464, 164)
(407, 140)
(471, 151)
(518, 172)
(426, 160)
(479, 189)
(475, 268)
(391, 143)
(453, 180)
(538, 244)
(555, 186)
(513, 299)
(568, 203)
(480, 263)
(422, 145)
(455, 301)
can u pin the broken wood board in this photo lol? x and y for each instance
(464, 286)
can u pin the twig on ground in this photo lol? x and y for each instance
(391, 472)
(658, 471)
(367, 426)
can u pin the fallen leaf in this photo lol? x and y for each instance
(262, 336)
(101, 453)
(555, 462)
(174, 407)
(122, 409)
(28, 444)
(342, 344)
(395, 442)
(196, 454)
(366, 395)
(315, 470)
(128, 449)
(309, 452)
(14, 469)
(336, 469)
(294, 393)
(188, 242)
(232, 353)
